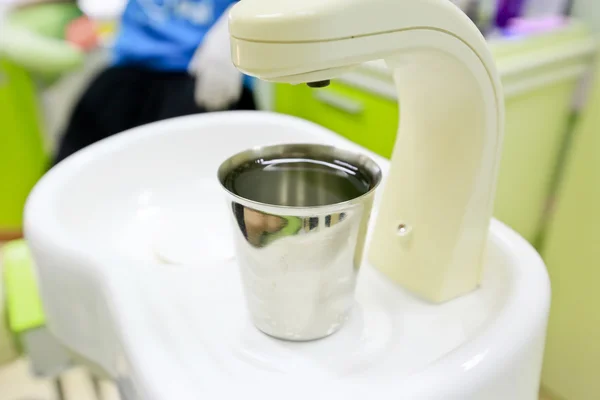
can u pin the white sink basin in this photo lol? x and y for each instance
(102, 224)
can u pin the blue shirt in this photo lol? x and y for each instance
(164, 34)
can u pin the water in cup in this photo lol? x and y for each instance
(298, 182)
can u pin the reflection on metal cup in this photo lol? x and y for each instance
(300, 213)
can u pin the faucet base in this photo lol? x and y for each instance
(437, 203)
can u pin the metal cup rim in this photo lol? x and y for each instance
(309, 151)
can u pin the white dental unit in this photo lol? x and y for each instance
(96, 222)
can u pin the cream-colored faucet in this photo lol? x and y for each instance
(432, 226)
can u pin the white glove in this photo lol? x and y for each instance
(218, 82)
(102, 10)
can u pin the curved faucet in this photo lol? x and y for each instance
(431, 230)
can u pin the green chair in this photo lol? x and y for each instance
(32, 52)
(25, 315)
(8, 348)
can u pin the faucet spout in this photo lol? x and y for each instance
(431, 230)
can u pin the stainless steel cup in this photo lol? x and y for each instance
(298, 248)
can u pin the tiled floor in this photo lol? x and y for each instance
(17, 384)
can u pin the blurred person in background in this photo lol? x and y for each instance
(170, 58)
